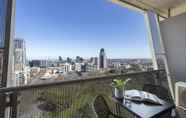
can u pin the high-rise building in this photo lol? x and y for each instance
(79, 59)
(39, 63)
(69, 60)
(20, 61)
(19, 54)
(102, 59)
(60, 59)
(94, 60)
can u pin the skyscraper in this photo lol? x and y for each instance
(102, 59)
(94, 61)
(19, 54)
(20, 60)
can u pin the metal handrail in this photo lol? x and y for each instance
(67, 82)
(12, 97)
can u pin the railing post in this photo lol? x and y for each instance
(118, 110)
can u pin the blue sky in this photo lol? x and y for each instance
(80, 27)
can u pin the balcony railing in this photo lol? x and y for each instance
(70, 99)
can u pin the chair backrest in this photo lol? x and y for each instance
(160, 91)
(101, 107)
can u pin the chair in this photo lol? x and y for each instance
(102, 109)
(160, 91)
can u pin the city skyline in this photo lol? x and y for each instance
(64, 34)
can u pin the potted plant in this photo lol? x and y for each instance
(119, 85)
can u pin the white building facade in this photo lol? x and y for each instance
(20, 62)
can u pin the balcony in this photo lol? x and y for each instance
(74, 98)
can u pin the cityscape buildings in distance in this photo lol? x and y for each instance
(43, 70)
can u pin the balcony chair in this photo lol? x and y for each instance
(101, 108)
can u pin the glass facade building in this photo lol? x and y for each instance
(19, 54)
(102, 59)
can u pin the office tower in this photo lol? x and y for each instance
(102, 59)
(53, 63)
(20, 61)
(34, 63)
(19, 54)
(39, 63)
(79, 59)
(94, 60)
(60, 59)
(69, 60)
(44, 63)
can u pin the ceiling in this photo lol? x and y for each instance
(164, 8)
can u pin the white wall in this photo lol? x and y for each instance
(173, 31)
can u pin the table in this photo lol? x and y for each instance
(144, 110)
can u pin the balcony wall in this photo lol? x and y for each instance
(74, 98)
